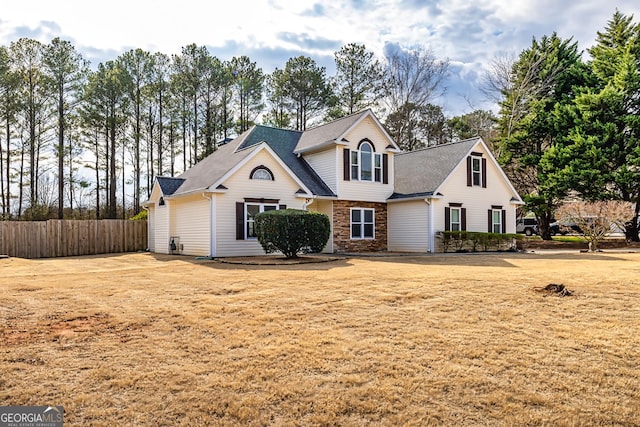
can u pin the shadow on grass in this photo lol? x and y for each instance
(328, 262)
(266, 262)
(492, 259)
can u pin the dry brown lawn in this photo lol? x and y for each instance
(464, 340)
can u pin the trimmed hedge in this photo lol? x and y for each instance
(292, 231)
(465, 241)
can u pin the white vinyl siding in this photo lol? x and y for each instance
(475, 199)
(370, 191)
(327, 166)
(239, 186)
(191, 224)
(161, 228)
(408, 226)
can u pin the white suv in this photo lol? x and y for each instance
(528, 226)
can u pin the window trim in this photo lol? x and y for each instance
(476, 175)
(448, 216)
(362, 224)
(496, 213)
(261, 209)
(376, 163)
(480, 173)
(261, 168)
(453, 209)
(491, 223)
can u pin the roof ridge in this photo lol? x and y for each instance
(333, 122)
(277, 128)
(447, 144)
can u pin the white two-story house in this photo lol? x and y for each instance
(377, 197)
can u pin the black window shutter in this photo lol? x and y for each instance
(469, 182)
(490, 222)
(347, 164)
(385, 168)
(463, 219)
(239, 221)
(504, 221)
(447, 219)
(484, 173)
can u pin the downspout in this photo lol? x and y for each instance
(431, 238)
(146, 208)
(211, 223)
(308, 201)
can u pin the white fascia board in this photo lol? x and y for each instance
(318, 147)
(257, 149)
(382, 129)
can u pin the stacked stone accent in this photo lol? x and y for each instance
(342, 241)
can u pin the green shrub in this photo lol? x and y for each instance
(292, 231)
(140, 216)
(465, 240)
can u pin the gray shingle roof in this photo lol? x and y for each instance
(420, 173)
(282, 141)
(169, 185)
(213, 167)
(327, 133)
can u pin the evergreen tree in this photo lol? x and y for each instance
(600, 156)
(358, 80)
(138, 65)
(278, 114)
(306, 87)
(544, 76)
(249, 82)
(66, 72)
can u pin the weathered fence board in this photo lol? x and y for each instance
(59, 238)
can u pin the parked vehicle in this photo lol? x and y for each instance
(564, 227)
(527, 225)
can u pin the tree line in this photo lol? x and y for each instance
(83, 142)
(87, 142)
(569, 123)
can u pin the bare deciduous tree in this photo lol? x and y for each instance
(412, 79)
(596, 219)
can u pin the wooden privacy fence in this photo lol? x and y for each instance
(59, 238)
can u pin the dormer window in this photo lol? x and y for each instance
(365, 163)
(262, 173)
(476, 170)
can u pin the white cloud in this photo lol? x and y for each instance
(469, 34)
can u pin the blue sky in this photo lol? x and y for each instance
(470, 34)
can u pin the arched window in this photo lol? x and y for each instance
(262, 173)
(365, 163)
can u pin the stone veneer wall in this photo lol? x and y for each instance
(342, 241)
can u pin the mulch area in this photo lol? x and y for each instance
(278, 260)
